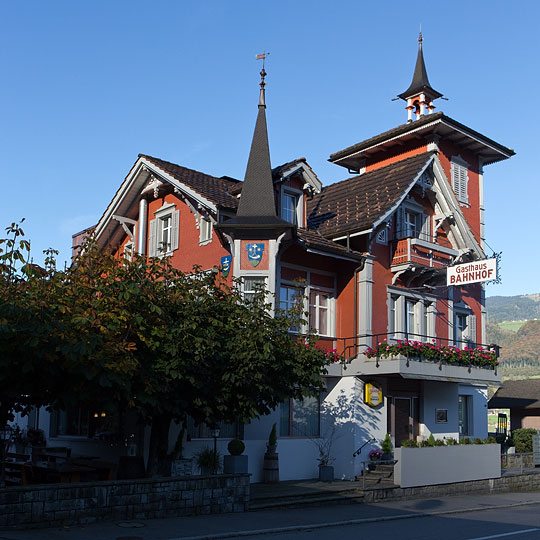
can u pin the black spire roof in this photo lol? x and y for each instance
(257, 206)
(420, 81)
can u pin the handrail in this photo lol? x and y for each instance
(360, 449)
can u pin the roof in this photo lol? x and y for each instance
(313, 240)
(355, 204)
(437, 123)
(420, 81)
(215, 189)
(523, 394)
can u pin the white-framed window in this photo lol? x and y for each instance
(410, 316)
(412, 222)
(85, 423)
(291, 206)
(251, 285)
(319, 311)
(289, 298)
(205, 230)
(128, 251)
(300, 417)
(464, 328)
(164, 231)
(459, 170)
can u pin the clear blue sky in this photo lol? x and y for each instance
(87, 86)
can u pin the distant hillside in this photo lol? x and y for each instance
(513, 308)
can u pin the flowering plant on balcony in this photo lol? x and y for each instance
(331, 356)
(467, 356)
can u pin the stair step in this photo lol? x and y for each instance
(308, 499)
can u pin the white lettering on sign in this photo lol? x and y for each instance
(474, 272)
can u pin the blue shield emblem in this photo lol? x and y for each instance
(226, 265)
(254, 252)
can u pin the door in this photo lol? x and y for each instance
(403, 427)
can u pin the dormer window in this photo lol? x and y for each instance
(291, 206)
(412, 222)
(460, 178)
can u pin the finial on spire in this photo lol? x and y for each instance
(262, 84)
(420, 38)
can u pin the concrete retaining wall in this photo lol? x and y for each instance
(446, 464)
(70, 504)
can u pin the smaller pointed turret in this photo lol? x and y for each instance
(420, 94)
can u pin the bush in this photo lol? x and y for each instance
(523, 439)
(272, 438)
(478, 441)
(407, 443)
(439, 442)
(490, 440)
(465, 440)
(236, 447)
(206, 459)
(386, 445)
(451, 441)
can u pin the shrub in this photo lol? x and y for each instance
(490, 440)
(272, 439)
(206, 459)
(523, 439)
(439, 442)
(386, 445)
(451, 441)
(465, 440)
(407, 443)
(236, 447)
(478, 441)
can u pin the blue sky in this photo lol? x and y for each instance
(87, 86)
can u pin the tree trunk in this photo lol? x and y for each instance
(159, 445)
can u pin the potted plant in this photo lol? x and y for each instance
(386, 447)
(374, 456)
(19, 439)
(271, 462)
(206, 459)
(235, 462)
(324, 446)
(180, 466)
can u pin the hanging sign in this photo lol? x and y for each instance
(373, 395)
(226, 265)
(473, 272)
(254, 253)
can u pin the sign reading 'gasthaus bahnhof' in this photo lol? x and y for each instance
(472, 272)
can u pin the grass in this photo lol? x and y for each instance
(512, 326)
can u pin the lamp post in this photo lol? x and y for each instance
(215, 434)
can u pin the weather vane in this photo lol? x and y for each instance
(262, 57)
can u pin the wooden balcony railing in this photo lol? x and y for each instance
(422, 252)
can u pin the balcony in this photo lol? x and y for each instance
(417, 357)
(419, 251)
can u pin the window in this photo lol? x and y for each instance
(291, 206)
(464, 329)
(464, 415)
(83, 422)
(205, 226)
(204, 431)
(300, 417)
(163, 233)
(410, 317)
(412, 222)
(128, 251)
(290, 298)
(319, 312)
(460, 178)
(251, 285)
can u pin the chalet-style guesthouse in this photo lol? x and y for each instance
(371, 252)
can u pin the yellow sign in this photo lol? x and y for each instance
(373, 395)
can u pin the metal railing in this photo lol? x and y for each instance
(518, 462)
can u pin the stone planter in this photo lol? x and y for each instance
(326, 473)
(181, 467)
(235, 464)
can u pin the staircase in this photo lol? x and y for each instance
(382, 476)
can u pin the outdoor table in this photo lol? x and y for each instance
(60, 472)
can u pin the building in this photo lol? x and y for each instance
(522, 397)
(369, 254)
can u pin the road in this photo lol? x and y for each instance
(509, 516)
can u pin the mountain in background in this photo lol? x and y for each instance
(519, 341)
(513, 308)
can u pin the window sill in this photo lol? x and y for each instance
(205, 242)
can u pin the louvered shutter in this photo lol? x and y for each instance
(471, 323)
(400, 222)
(175, 229)
(152, 238)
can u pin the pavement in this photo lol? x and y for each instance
(276, 521)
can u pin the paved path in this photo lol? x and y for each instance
(281, 523)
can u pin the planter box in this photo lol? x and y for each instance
(446, 464)
(235, 464)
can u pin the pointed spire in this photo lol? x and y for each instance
(420, 87)
(257, 206)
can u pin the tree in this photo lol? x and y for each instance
(142, 335)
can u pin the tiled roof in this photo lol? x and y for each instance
(314, 240)
(215, 189)
(355, 204)
(524, 394)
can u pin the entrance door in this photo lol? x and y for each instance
(403, 427)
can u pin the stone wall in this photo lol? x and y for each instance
(70, 504)
(524, 482)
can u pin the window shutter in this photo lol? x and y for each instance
(471, 323)
(175, 229)
(152, 238)
(400, 222)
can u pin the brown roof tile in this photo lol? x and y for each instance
(313, 239)
(215, 189)
(524, 394)
(355, 204)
